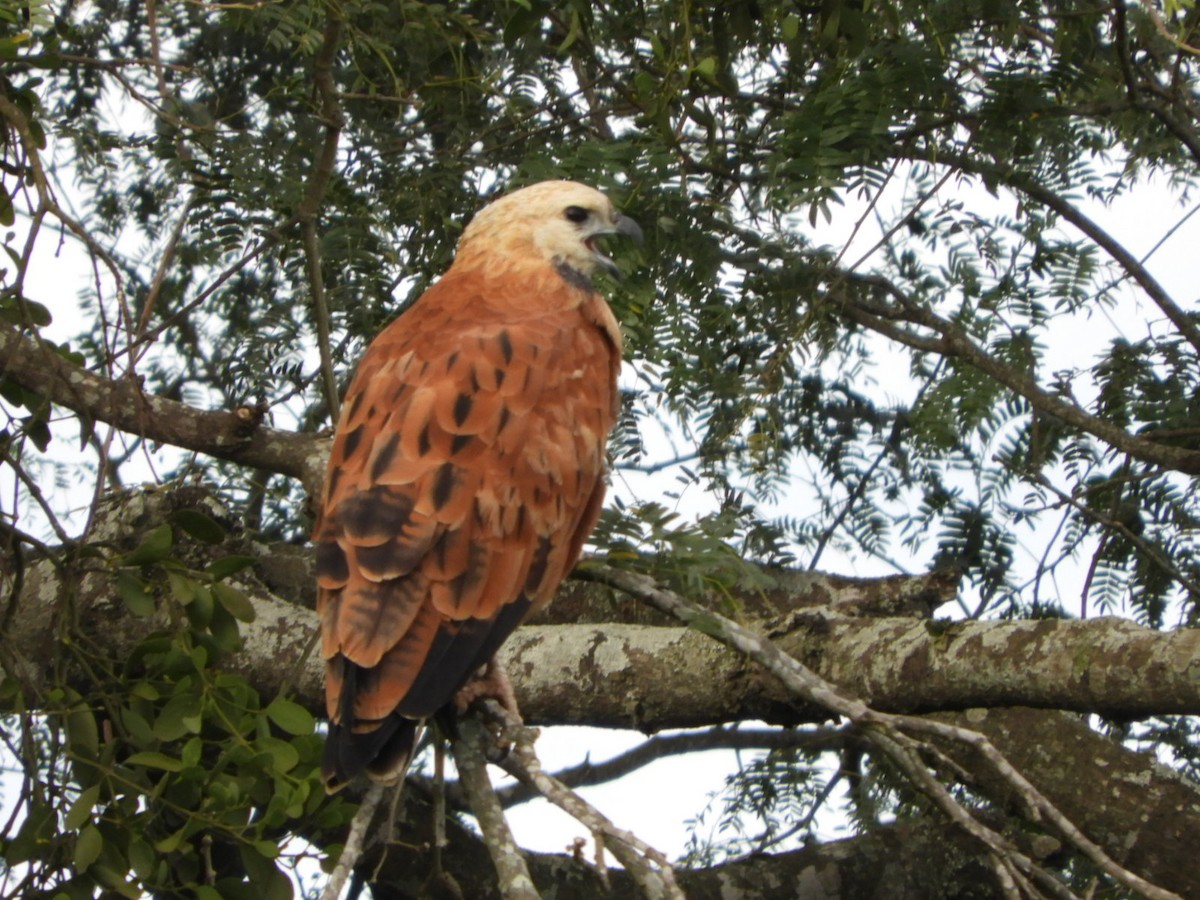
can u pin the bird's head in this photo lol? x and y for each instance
(558, 222)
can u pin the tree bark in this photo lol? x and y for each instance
(1144, 814)
(649, 677)
(652, 677)
(235, 435)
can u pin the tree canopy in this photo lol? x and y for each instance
(878, 327)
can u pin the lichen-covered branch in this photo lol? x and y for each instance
(469, 756)
(650, 677)
(648, 867)
(235, 435)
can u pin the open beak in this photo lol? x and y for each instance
(622, 225)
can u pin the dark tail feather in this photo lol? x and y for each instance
(382, 754)
(382, 748)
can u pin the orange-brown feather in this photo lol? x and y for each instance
(465, 475)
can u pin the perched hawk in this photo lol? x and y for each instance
(466, 471)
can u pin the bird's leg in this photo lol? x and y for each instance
(491, 683)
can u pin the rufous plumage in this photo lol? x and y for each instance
(467, 469)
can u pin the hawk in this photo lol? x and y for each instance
(467, 469)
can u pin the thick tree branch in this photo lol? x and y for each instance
(909, 861)
(650, 678)
(889, 733)
(572, 673)
(234, 436)
(1123, 798)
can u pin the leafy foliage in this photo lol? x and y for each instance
(169, 774)
(876, 323)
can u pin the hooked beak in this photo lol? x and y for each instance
(622, 225)
(626, 226)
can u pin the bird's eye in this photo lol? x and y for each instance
(576, 214)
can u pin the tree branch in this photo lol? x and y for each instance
(954, 341)
(887, 732)
(322, 174)
(234, 436)
(1033, 189)
(589, 774)
(652, 677)
(468, 748)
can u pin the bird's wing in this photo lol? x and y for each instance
(465, 475)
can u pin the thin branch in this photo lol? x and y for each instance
(884, 730)
(953, 340)
(511, 871)
(649, 868)
(352, 850)
(166, 258)
(588, 773)
(318, 184)
(1021, 183)
(1151, 552)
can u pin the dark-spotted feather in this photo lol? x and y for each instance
(465, 475)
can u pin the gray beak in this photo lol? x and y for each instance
(622, 225)
(629, 228)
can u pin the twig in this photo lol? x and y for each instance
(647, 866)
(335, 120)
(353, 849)
(589, 773)
(511, 871)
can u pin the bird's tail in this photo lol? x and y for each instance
(383, 753)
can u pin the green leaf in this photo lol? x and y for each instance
(154, 547)
(190, 754)
(171, 842)
(142, 858)
(137, 599)
(83, 735)
(33, 838)
(87, 847)
(155, 760)
(37, 431)
(290, 716)
(284, 756)
(200, 610)
(200, 526)
(179, 717)
(791, 27)
(81, 809)
(228, 565)
(235, 602)
(706, 68)
(182, 587)
(224, 630)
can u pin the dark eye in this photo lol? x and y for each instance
(576, 214)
